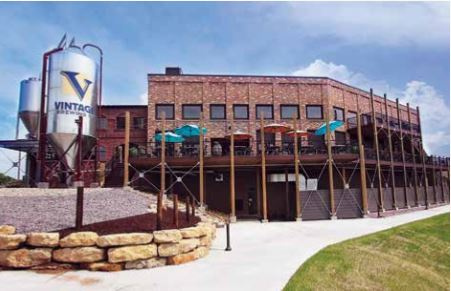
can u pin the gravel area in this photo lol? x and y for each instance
(31, 209)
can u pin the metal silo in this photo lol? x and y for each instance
(72, 92)
(29, 104)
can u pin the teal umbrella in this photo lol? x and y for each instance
(333, 125)
(170, 137)
(189, 130)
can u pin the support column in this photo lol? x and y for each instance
(423, 162)
(264, 199)
(363, 185)
(442, 187)
(287, 196)
(162, 173)
(390, 148)
(298, 214)
(201, 163)
(414, 160)
(126, 148)
(232, 173)
(330, 163)
(403, 156)
(434, 180)
(378, 161)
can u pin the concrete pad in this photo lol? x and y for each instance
(263, 257)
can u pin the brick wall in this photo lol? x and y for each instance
(253, 90)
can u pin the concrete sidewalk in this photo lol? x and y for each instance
(264, 257)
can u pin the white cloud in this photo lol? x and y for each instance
(434, 111)
(387, 24)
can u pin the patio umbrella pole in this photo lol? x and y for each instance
(296, 171)
(403, 155)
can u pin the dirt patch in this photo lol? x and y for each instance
(138, 223)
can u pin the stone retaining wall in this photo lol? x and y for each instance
(114, 252)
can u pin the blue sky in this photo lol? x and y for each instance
(398, 48)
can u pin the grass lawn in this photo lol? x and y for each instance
(413, 256)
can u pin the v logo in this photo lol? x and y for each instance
(71, 77)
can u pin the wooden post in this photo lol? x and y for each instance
(175, 199)
(363, 185)
(423, 161)
(434, 180)
(187, 205)
(412, 148)
(442, 187)
(378, 161)
(287, 197)
(330, 164)
(403, 155)
(232, 172)
(201, 162)
(390, 148)
(296, 171)
(126, 147)
(162, 173)
(193, 208)
(264, 199)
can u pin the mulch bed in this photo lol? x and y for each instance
(138, 223)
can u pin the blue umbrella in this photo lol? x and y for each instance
(333, 125)
(189, 130)
(169, 137)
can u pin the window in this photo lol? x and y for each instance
(102, 153)
(340, 138)
(339, 114)
(315, 140)
(120, 122)
(217, 111)
(241, 111)
(352, 118)
(266, 111)
(288, 111)
(139, 122)
(314, 111)
(168, 110)
(102, 123)
(191, 111)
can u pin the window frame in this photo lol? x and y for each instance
(192, 105)
(134, 126)
(264, 105)
(240, 105)
(99, 123)
(157, 117)
(218, 105)
(342, 110)
(117, 122)
(314, 105)
(290, 105)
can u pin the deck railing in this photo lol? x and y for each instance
(366, 119)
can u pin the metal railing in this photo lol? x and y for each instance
(366, 119)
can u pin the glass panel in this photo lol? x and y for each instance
(102, 123)
(168, 109)
(340, 138)
(191, 111)
(314, 111)
(139, 122)
(287, 111)
(265, 111)
(339, 114)
(120, 122)
(217, 111)
(241, 112)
